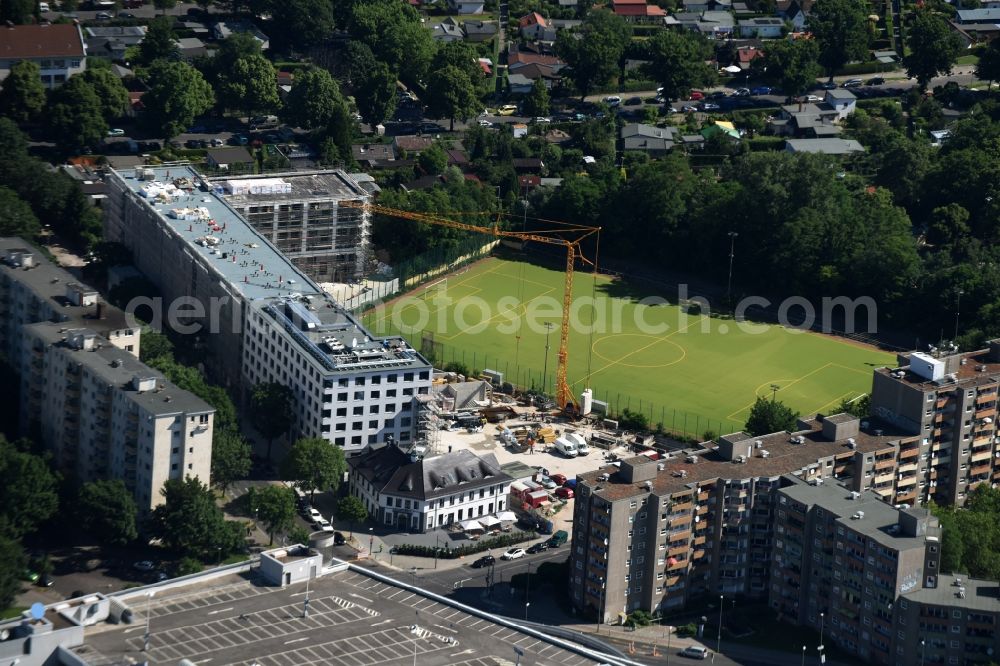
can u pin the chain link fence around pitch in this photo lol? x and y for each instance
(669, 420)
(408, 275)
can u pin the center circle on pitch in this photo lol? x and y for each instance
(653, 348)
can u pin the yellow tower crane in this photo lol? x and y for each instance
(568, 236)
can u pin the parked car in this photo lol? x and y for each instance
(875, 81)
(215, 143)
(314, 514)
(513, 554)
(45, 581)
(29, 575)
(716, 94)
(507, 110)
(696, 95)
(564, 493)
(812, 98)
(322, 524)
(144, 565)
(579, 117)
(695, 652)
(484, 561)
(558, 539)
(485, 123)
(852, 83)
(338, 539)
(103, 16)
(127, 15)
(542, 119)
(760, 90)
(537, 548)
(741, 92)
(194, 143)
(708, 106)
(116, 132)
(828, 85)
(612, 100)
(633, 101)
(43, 7)
(547, 483)
(560, 479)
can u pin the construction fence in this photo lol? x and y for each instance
(668, 420)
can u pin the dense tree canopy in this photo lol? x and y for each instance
(594, 51)
(375, 93)
(451, 95)
(841, 28)
(791, 65)
(190, 523)
(107, 511)
(75, 115)
(679, 62)
(22, 95)
(250, 85)
(314, 100)
(769, 415)
(177, 95)
(933, 47)
(28, 494)
(314, 464)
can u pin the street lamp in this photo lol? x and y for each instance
(415, 630)
(600, 607)
(545, 371)
(305, 602)
(371, 542)
(146, 637)
(923, 651)
(803, 655)
(822, 626)
(718, 639)
(729, 284)
(527, 593)
(437, 539)
(958, 306)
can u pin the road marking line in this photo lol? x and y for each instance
(358, 596)
(128, 631)
(297, 640)
(204, 661)
(443, 628)
(381, 623)
(221, 610)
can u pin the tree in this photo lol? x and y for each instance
(770, 415)
(110, 91)
(537, 101)
(232, 48)
(22, 95)
(988, 67)
(230, 455)
(841, 28)
(17, 11)
(160, 42)
(12, 565)
(313, 101)
(460, 55)
(164, 5)
(272, 410)
(451, 95)
(16, 216)
(433, 160)
(314, 464)
(353, 510)
(190, 523)
(106, 510)
(933, 47)
(375, 93)
(678, 62)
(303, 23)
(250, 85)
(177, 95)
(28, 495)
(791, 65)
(155, 345)
(75, 115)
(859, 406)
(274, 506)
(593, 52)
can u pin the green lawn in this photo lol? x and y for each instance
(689, 372)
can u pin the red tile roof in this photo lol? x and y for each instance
(638, 10)
(41, 41)
(534, 18)
(527, 57)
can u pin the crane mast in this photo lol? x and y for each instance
(567, 236)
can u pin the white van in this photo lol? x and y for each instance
(582, 448)
(43, 7)
(566, 447)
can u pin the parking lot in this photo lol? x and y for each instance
(353, 620)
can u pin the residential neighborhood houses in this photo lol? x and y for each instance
(330, 226)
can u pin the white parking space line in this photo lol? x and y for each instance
(221, 610)
(358, 596)
(297, 640)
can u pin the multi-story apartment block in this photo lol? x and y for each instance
(841, 560)
(948, 402)
(416, 495)
(956, 622)
(654, 534)
(262, 319)
(33, 289)
(304, 216)
(58, 49)
(104, 414)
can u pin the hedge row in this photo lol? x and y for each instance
(872, 67)
(502, 541)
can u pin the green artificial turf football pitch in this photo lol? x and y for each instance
(689, 372)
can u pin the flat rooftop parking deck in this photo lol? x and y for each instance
(354, 620)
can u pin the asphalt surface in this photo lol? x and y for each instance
(353, 620)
